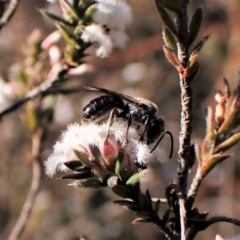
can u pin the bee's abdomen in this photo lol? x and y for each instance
(100, 106)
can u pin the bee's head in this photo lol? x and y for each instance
(155, 127)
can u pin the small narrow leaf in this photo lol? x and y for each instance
(172, 5)
(75, 164)
(195, 25)
(209, 141)
(112, 181)
(128, 205)
(227, 89)
(192, 68)
(118, 164)
(172, 57)
(157, 207)
(169, 39)
(227, 144)
(200, 44)
(228, 122)
(83, 157)
(166, 216)
(71, 10)
(124, 202)
(79, 175)
(210, 163)
(122, 191)
(167, 19)
(88, 183)
(135, 178)
(68, 36)
(139, 220)
(55, 17)
(198, 154)
(148, 199)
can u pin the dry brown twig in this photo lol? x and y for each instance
(35, 186)
(7, 15)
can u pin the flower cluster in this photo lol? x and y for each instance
(86, 150)
(110, 20)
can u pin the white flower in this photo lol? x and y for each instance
(119, 38)
(82, 137)
(112, 2)
(116, 16)
(96, 34)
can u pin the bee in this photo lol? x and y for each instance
(139, 113)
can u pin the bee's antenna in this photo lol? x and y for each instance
(160, 139)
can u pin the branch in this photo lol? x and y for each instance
(38, 91)
(9, 12)
(186, 113)
(196, 183)
(186, 99)
(36, 179)
(164, 229)
(201, 225)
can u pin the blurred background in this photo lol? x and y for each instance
(62, 212)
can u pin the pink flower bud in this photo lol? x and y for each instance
(51, 39)
(110, 151)
(54, 55)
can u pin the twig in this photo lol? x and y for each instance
(164, 229)
(201, 225)
(186, 112)
(186, 99)
(36, 179)
(9, 13)
(38, 91)
(192, 193)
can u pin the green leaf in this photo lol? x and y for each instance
(198, 154)
(172, 5)
(83, 157)
(166, 19)
(79, 175)
(192, 67)
(166, 216)
(195, 25)
(200, 44)
(169, 39)
(122, 191)
(148, 199)
(128, 204)
(157, 207)
(72, 10)
(224, 146)
(227, 89)
(55, 17)
(139, 220)
(112, 180)
(68, 36)
(119, 161)
(75, 164)
(135, 178)
(211, 162)
(209, 141)
(88, 183)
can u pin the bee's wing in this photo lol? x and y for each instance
(110, 92)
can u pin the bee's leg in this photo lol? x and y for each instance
(114, 113)
(146, 121)
(129, 118)
(160, 139)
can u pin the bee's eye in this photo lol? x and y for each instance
(143, 106)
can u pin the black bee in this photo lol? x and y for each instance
(140, 113)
